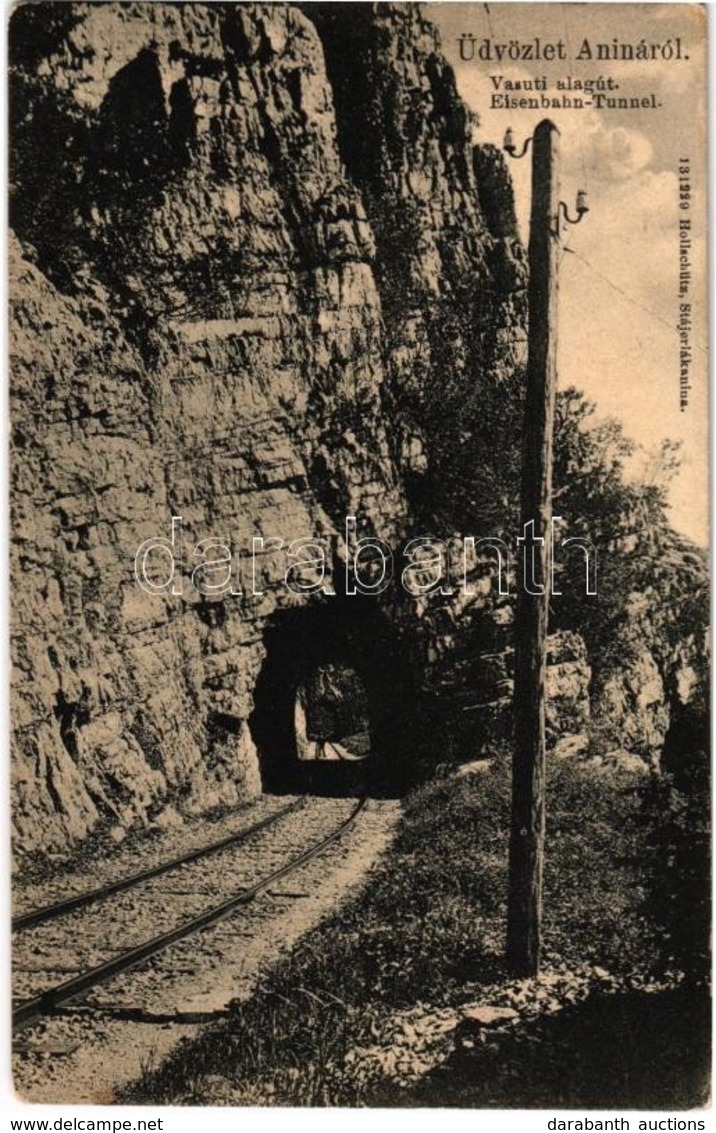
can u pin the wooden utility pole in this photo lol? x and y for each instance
(524, 913)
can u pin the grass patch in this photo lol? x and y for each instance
(428, 928)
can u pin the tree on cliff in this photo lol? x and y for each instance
(639, 553)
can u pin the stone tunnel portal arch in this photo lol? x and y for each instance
(331, 703)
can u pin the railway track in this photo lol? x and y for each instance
(79, 936)
(80, 900)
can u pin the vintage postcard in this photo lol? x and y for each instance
(359, 573)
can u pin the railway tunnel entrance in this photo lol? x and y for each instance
(332, 702)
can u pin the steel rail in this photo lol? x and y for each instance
(51, 912)
(48, 1001)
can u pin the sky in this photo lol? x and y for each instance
(619, 281)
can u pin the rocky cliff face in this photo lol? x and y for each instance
(657, 663)
(449, 266)
(222, 309)
(261, 280)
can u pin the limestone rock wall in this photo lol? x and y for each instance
(205, 324)
(658, 663)
(262, 280)
(449, 266)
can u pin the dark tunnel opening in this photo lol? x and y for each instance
(332, 704)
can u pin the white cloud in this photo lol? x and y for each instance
(618, 154)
